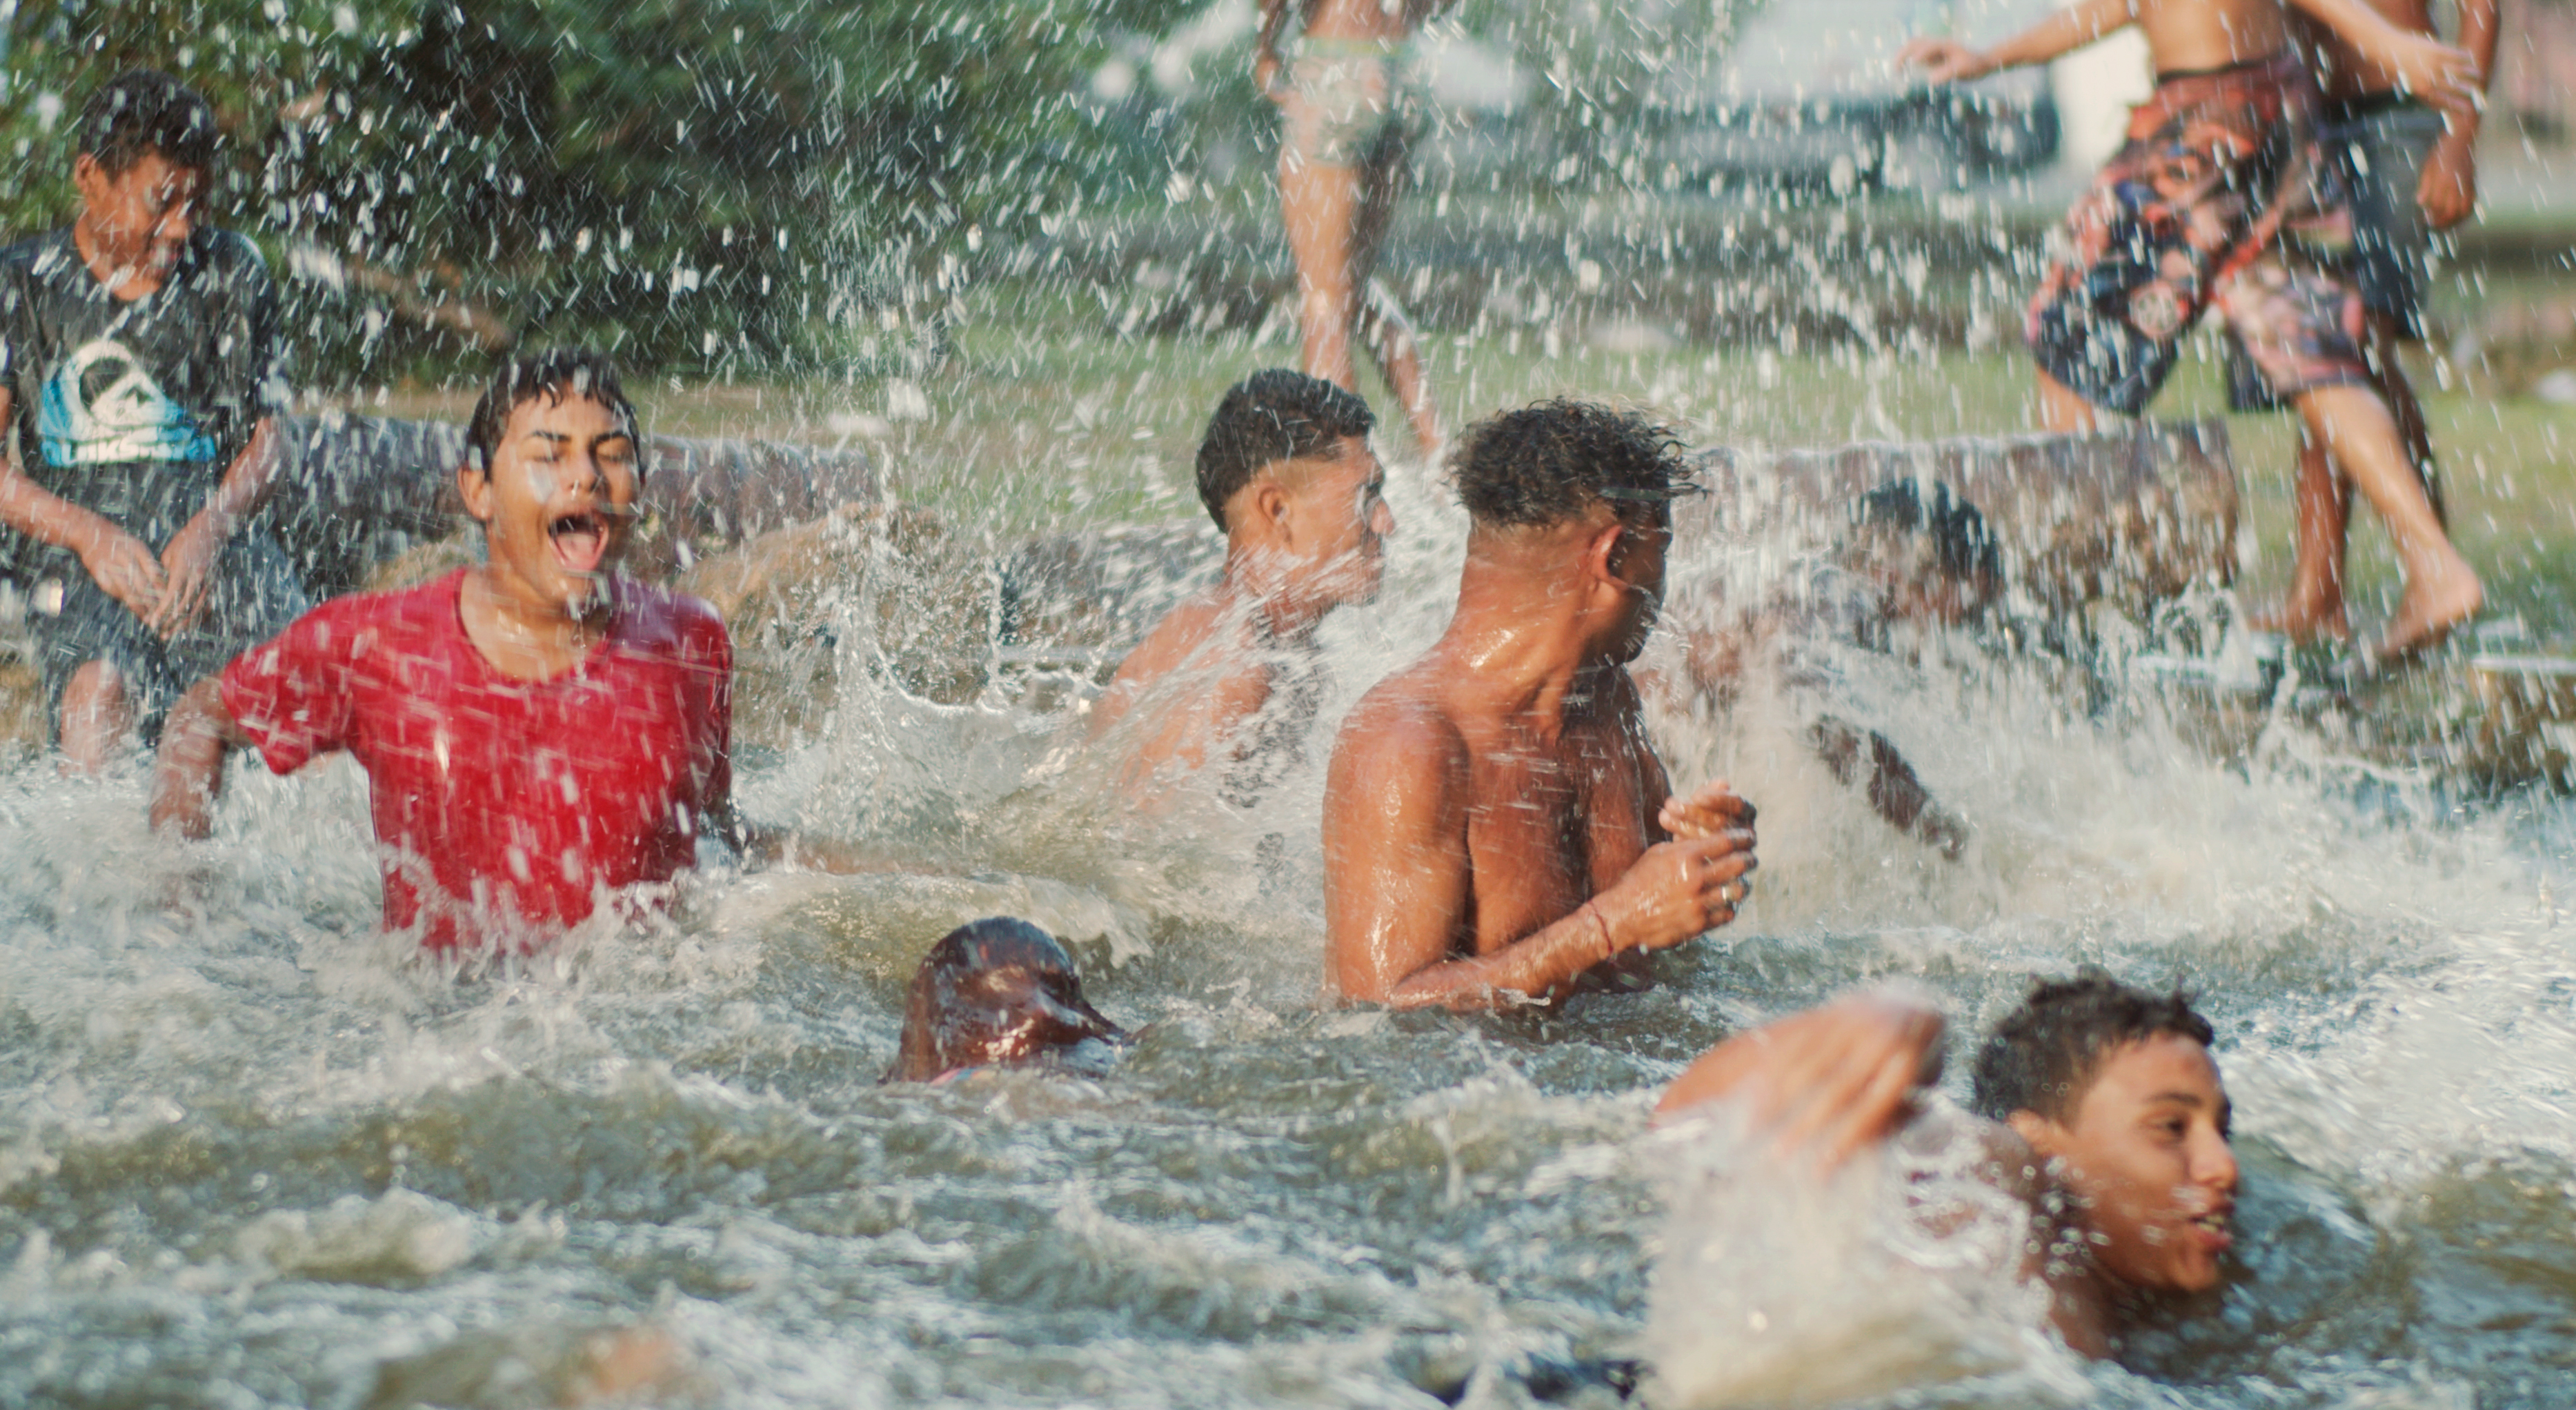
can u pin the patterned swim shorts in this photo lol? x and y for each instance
(2194, 212)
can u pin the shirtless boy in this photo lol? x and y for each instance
(1348, 106)
(141, 370)
(1285, 470)
(2189, 214)
(535, 729)
(1496, 827)
(2409, 169)
(2106, 1093)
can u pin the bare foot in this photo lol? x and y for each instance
(2304, 623)
(2433, 605)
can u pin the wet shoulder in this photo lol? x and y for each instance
(227, 252)
(1405, 718)
(1182, 634)
(413, 614)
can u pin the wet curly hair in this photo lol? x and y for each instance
(2043, 1056)
(1552, 461)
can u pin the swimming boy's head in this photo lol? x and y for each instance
(144, 146)
(1285, 469)
(552, 472)
(1570, 483)
(999, 992)
(1934, 561)
(2116, 1087)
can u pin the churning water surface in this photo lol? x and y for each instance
(253, 1154)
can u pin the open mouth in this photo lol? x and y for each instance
(2214, 1226)
(580, 540)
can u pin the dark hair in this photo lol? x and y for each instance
(2043, 1056)
(554, 374)
(1550, 462)
(143, 111)
(1272, 415)
(1962, 545)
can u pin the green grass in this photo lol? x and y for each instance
(1046, 418)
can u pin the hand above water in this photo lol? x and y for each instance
(1678, 891)
(1714, 809)
(1830, 1080)
(124, 569)
(188, 565)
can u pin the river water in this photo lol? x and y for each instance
(253, 1154)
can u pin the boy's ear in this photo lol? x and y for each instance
(1601, 553)
(474, 486)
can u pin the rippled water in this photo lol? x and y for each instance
(251, 1154)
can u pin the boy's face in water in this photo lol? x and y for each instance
(2147, 1154)
(557, 500)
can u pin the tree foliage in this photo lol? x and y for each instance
(689, 180)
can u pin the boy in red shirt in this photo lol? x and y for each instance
(534, 729)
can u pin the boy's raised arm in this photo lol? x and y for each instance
(1949, 61)
(188, 560)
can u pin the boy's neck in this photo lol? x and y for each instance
(125, 282)
(526, 637)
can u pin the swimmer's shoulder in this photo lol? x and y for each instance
(1403, 723)
(1183, 632)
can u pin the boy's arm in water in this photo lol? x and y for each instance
(122, 565)
(1945, 60)
(188, 560)
(1831, 1080)
(1894, 789)
(1399, 882)
(188, 770)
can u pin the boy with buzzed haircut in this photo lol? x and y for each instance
(2190, 215)
(2103, 1106)
(141, 371)
(536, 730)
(1286, 471)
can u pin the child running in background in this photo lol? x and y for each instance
(2410, 171)
(2189, 215)
(141, 372)
(536, 729)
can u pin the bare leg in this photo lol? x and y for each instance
(1381, 319)
(2060, 409)
(2442, 591)
(1318, 204)
(2389, 375)
(2315, 607)
(2323, 500)
(97, 718)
